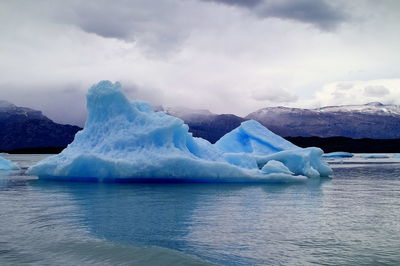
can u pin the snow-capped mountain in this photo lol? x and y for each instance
(376, 108)
(372, 120)
(22, 128)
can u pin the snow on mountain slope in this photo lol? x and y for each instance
(372, 120)
(376, 108)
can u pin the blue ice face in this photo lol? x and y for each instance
(125, 140)
(252, 137)
(7, 164)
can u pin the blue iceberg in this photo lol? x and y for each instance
(374, 156)
(124, 140)
(338, 154)
(7, 164)
(307, 162)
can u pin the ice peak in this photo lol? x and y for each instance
(104, 86)
(105, 100)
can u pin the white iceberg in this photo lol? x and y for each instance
(125, 140)
(337, 154)
(7, 164)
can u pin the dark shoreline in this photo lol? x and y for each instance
(35, 150)
(333, 144)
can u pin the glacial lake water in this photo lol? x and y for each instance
(351, 219)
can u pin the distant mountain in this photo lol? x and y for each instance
(28, 130)
(204, 124)
(373, 120)
(373, 108)
(25, 128)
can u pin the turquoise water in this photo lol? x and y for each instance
(350, 219)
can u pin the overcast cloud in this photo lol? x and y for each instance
(225, 56)
(323, 14)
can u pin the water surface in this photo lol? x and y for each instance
(349, 219)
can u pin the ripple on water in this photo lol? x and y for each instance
(349, 219)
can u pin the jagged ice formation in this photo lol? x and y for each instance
(125, 140)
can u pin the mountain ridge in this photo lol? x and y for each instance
(26, 128)
(372, 120)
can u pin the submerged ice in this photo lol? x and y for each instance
(7, 164)
(125, 140)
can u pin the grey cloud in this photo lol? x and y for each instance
(340, 92)
(63, 103)
(344, 86)
(316, 12)
(320, 13)
(144, 22)
(244, 3)
(107, 19)
(274, 95)
(338, 95)
(376, 91)
(135, 92)
(162, 26)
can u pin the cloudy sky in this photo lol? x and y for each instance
(228, 56)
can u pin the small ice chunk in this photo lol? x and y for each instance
(307, 162)
(7, 164)
(374, 156)
(338, 154)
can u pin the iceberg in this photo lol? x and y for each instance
(128, 141)
(374, 156)
(7, 164)
(307, 161)
(337, 154)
